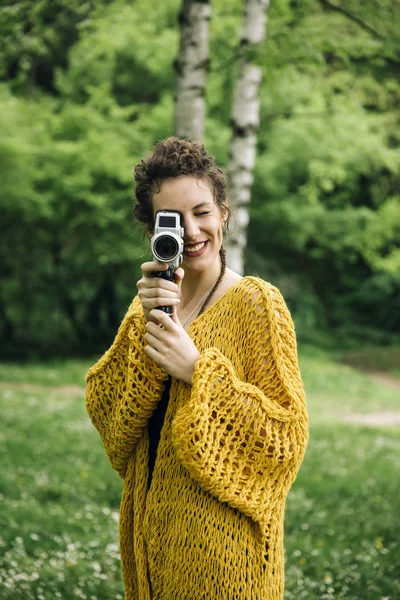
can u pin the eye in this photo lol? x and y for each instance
(201, 214)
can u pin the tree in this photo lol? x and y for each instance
(36, 37)
(324, 212)
(245, 124)
(327, 172)
(191, 69)
(69, 255)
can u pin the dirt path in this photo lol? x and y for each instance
(68, 390)
(373, 419)
(385, 378)
(378, 418)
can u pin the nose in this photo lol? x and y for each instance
(191, 228)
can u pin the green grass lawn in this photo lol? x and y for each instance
(59, 496)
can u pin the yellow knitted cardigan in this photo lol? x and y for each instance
(211, 525)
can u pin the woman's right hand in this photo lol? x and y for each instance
(155, 291)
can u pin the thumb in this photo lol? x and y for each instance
(179, 275)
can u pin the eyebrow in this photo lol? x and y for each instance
(205, 203)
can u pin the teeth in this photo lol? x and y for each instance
(195, 248)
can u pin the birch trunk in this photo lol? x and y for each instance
(245, 124)
(191, 69)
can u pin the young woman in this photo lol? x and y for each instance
(202, 413)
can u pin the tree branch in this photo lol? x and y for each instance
(352, 17)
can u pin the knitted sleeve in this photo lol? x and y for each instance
(122, 390)
(244, 440)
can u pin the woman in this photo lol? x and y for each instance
(202, 413)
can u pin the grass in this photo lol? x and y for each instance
(60, 498)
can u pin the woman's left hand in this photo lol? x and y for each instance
(170, 346)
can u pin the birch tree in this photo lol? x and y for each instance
(245, 125)
(191, 69)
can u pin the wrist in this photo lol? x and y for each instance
(189, 379)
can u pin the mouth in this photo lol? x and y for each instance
(195, 249)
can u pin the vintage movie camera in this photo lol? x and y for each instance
(167, 245)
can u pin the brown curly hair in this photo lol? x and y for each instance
(170, 158)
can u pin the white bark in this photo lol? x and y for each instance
(191, 69)
(245, 125)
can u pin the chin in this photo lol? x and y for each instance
(192, 266)
(201, 263)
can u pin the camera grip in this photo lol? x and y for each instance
(169, 275)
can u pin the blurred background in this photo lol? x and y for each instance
(86, 89)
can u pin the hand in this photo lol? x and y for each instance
(155, 291)
(170, 346)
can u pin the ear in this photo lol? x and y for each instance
(224, 213)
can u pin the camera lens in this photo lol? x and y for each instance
(166, 248)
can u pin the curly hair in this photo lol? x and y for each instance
(170, 158)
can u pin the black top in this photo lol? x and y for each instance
(155, 424)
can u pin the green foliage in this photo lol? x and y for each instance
(88, 90)
(36, 37)
(74, 218)
(66, 193)
(124, 55)
(326, 209)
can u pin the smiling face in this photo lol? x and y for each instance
(202, 219)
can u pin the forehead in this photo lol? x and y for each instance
(183, 194)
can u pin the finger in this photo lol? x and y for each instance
(179, 274)
(157, 336)
(152, 353)
(154, 341)
(154, 328)
(150, 301)
(163, 318)
(155, 287)
(161, 292)
(151, 319)
(151, 305)
(151, 266)
(160, 301)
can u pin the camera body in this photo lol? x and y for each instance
(167, 245)
(167, 241)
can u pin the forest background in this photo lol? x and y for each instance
(87, 88)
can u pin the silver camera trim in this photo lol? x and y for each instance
(175, 232)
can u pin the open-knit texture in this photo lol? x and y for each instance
(211, 525)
